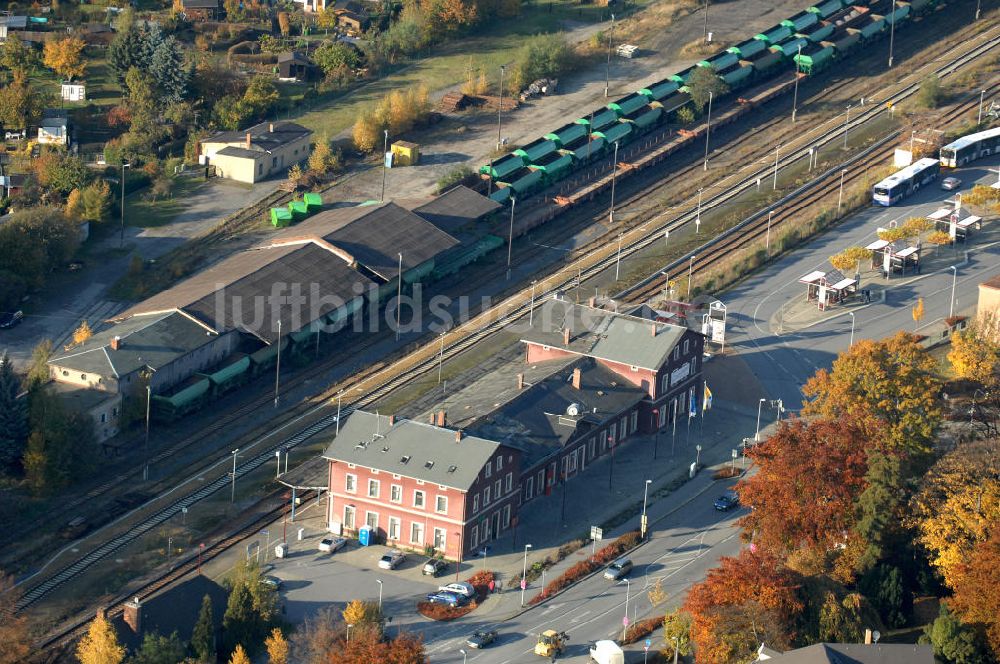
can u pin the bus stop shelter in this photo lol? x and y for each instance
(895, 256)
(827, 288)
(958, 224)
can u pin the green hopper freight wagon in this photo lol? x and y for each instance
(502, 195)
(827, 9)
(537, 149)
(620, 133)
(790, 47)
(193, 394)
(720, 61)
(231, 374)
(313, 201)
(682, 77)
(645, 118)
(764, 62)
(874, 25)
(900, 15)
(918, 6)
(630, 104)
(815, 58)
(602, 119)
(502, 167)
(736, 75)
(555, 165)
(586, 148)
(749, 48)
(524, 181)
(817, 32)
(281, 217)
(801, 20)
(567, 134)
(842, 40)
(298, 209)
(775, 35)
(674, 103)
(660, 90)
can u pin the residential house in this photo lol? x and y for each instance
(53, 129)
(202, 10)
(257, 153)
(420, 485)
(293, 66)
(352, 15)
(988, 307)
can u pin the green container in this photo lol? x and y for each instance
(682, 77)
(826, 9)
(280, 217)
(775, 34)
(749, 48)
(528, 181)
(630, 104)
(535, 150)
(298, 209)
(503, 167)
(568, 134)
(801, 20)
(720, 61)
(815, 58)
(555, 165)
(736, 75)
(620, 133)
(660, 91)
(603, 119)
(790, 47)
(314, 202)
(501, 195)
(646, 118)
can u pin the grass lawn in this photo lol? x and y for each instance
(143, 213)
(496, 45)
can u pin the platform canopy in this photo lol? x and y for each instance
(812, 277)
(312, 474)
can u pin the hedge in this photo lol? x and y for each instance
(480, 581)
(581, 569)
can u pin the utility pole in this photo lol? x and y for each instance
(705, 32)
(121, 241)
(277, 367)
(500, 107)
(607, 78)
(892, 28)
(775, 184)
(708, 128)
(510, 236)
(232, 495)
(385, 159)
(795, 97)
(399, 294)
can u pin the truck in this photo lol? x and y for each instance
(607, 652)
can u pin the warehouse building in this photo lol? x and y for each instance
(256, 153)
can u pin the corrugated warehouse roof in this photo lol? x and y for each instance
(603, 334)
(538, 420)
(413, 449)
(240, 292)
(374, 235)
(456, 208)
(146, 341)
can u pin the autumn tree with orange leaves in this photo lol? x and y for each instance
(888, 387)
(809, 475)
(367, 646)
(976, 589)
(743, 602)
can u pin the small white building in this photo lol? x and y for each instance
(54, 130)
(74, 91)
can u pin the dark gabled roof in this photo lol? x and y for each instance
(201, 4)
(351, 7)
(237, 292)
(456, 208)
(536, 420)
(294, 56)
(266, 135)
(603, 334)
(153, 340)
(175, 610)
(857, 653)
(375, 235)
(413, 449)
(230, 151)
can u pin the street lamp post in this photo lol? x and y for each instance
(349, 626)
(524, 573)
(399, 293)
(708, 128)
(440, 356)
(847, 125)
(385, 149)
(656, 435)
(690, 275)
(628, 589)
(673, 433)
(500, 108)
(277, 368)
(774, 185)
(760, 406)
(851, 314)
(795, 96)
(607, 77)
(892, 28)
(982, 93)
(840, 196)
(339, 396)
(645, 494)
(611, 466)
(677, 645)
(614, 174)
(379, 582)
(149, 397)
(531, 307)
(618, 260)
(954, 280)
(232, 493)
(465, 656)
(697, 218)
(767, 237)
(277, 458)
(510, 236)
(121, 240)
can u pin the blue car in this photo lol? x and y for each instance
(727, 501)
(445, 597)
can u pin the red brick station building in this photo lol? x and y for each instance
(591, 379)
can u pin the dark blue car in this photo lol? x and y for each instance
(444, 597)
(727, 501)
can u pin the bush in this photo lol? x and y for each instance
(444, 612)
(641, 630)
(454, 176)
(585, 567)
(931, 94)
(542, 56)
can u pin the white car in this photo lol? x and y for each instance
(392, 559)
(950, 184)
(331, 544)
(459, 588)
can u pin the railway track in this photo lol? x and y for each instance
(382, 382)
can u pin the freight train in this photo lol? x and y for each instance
(809, 42)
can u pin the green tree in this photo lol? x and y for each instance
(35, 241)
(330, 56)
(15, 54)
(38, 367)
(841, 621)
(100, 644)
(701, 82)
(883, 586)
(231, 112)
(62, 172)
(880, 510)
(261, 96)
(13, 416)
(931, 93)
(166, 65)
(251, 609)
(239, 624)
(20, 104)
(677, 633)
(95, 201)
(157, 649)
(954, 642)
(61, 445)
(142, 101)
(203, 636)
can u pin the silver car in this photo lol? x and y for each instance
(392, 559)
(950, 184)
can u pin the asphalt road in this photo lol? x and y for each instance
(784, 361)
(681, 549)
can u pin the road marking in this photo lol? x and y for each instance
(577, 619)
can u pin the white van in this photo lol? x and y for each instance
(607, 652)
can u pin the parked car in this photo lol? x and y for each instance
(443, 597)
(727, 501)
(618, 569)
(331, 544)
(392, 559)
(950, 184)
(482, 638)
(271, 581)
(9, 319)
(434, 567)
(459, 588)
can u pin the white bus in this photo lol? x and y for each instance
(971, 147)
(892, 189)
